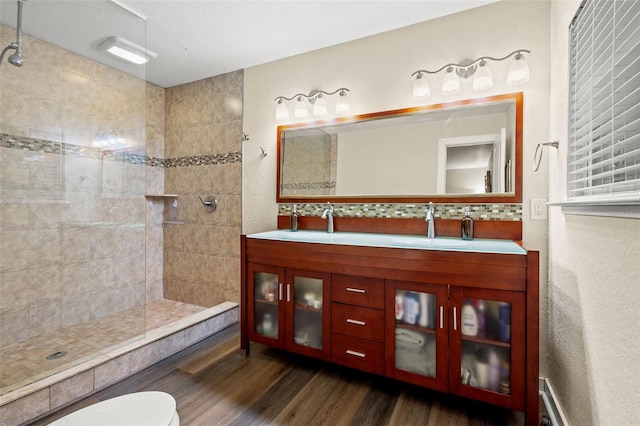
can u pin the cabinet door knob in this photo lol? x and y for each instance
(356, 290)
(354, 353)
(356, 322)
(280, 291)
(288, 293)
(441, 317)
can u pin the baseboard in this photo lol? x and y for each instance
(555, 413)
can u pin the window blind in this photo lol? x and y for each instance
(604, 101)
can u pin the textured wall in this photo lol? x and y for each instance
(203, 144)
(594, 277)
(381, 81)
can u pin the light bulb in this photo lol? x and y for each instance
(483, 78)
(282, 113)
(421, 87)
(342, 105)
(518, 71)
(451, 83)
(320, 106)
(300, 110)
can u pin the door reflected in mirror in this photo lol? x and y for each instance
(461, 151)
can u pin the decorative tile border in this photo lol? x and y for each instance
(49, 147)
(307, 185)
(410, 211)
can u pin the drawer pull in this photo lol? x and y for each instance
(356, 322)
(354, 353)
(356, 290)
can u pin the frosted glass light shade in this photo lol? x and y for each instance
(320, 106)
(421, 88)
(483, 78)
(518, 71)
(450, 83)
(342, 105)
(282, 112)
(300, 110)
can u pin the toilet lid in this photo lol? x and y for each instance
(134, 409)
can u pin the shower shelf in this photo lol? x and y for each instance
(161, 195)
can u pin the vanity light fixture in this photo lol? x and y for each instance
(317, 99)
(124, 49)
(479, 69)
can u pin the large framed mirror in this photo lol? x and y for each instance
(466, 151)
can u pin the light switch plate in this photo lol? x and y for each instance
(538, 209)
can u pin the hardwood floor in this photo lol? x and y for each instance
(215, 384)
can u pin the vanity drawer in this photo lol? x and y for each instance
(356, 321)
(357, 353)
(358, 291)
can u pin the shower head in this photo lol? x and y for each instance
(16, 58)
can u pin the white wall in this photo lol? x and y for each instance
(594, 283)
(377, 70)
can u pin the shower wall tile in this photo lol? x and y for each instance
(14, 327)
(44, 319)
(14, 216)
(203, 146)
(13, 296)
(45, 247)
(45, 285)
(12, 250)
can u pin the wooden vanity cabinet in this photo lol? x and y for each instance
(369, 322)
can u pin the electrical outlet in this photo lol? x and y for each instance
(538, 209)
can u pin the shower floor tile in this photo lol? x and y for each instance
(25, 362)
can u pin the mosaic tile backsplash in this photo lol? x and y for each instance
(410, 211)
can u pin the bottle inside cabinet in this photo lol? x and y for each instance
(266, 304)
(486, 349)
(415, 339)
(308, 311)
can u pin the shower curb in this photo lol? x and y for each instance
(52, 393)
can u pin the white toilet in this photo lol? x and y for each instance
(134, 409)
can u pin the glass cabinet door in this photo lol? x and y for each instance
(265, 314)
(486, 360)
(306, 294)
(487, 323)
(417, 331)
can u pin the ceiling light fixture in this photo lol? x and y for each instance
(317, 99)
(124, 49)
(483, 79)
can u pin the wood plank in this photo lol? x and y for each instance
(276, 387)
(325, 400)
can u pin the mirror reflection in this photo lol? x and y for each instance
(450, 150)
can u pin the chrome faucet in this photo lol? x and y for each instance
(430, 219)
(328, 214)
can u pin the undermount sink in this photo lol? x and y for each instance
(480, 245)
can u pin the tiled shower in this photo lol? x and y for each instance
(86, 244)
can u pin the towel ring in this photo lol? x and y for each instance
(537, 157)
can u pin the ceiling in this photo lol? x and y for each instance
(199, 39)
